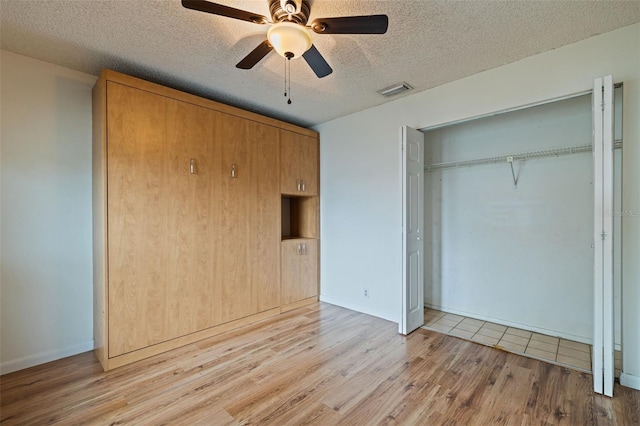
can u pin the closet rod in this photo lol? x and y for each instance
(524, 156)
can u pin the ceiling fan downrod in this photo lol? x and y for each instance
(280, 11)
(289, 6)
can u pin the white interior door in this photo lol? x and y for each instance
(412, 229)
(603, 336)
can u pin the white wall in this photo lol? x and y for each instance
(517, 255)
(360, 173)
(46, 265)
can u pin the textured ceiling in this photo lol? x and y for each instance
(428, 43)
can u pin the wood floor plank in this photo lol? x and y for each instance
(317, 365)
(357, 383)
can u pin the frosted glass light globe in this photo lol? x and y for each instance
(289, 39)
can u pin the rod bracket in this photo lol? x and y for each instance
(513, 173)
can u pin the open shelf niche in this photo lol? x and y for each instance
(299, 217)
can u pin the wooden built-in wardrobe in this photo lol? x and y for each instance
(205, 218)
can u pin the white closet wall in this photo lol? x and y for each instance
(514, 255)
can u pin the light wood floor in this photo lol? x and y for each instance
(319, 365)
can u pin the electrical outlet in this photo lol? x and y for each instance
(366, 292)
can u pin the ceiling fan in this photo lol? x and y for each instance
(289, 33)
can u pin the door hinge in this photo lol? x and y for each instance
(603, 235)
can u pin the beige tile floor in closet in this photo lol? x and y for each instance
(547, 348)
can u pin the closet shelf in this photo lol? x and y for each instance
(513, 157)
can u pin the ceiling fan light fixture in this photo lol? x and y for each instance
(290, 40)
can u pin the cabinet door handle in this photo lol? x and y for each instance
(304, 186)
(233, 171)
(299, 249)
(192, 166)
(298, 183)
(304, 249)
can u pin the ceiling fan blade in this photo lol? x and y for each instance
(255, 56)
(372, 24)
(317, 62)
(219, 9)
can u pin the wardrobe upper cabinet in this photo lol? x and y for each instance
(299, 159)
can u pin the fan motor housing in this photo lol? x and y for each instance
(279, 15)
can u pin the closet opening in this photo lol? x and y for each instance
(509, 230)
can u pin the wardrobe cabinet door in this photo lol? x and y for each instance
(232, 204)
(160, 229)
(299, 270)
(190, 226)
(291, 284)
(309, 269)
(264, 234)
(247, 217)
(139, 166)
(289, 163)
(298, 164)
(308, 153)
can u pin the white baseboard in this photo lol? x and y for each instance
(41, 358)
(630, 381)
(359, 308)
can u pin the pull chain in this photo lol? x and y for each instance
(289, 86)
(287, 76)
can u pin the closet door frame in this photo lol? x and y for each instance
(603, 359)
(603, 333)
